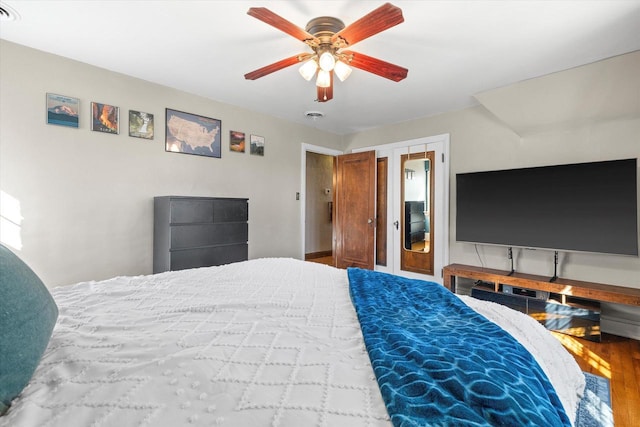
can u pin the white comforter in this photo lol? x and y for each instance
(259, 343)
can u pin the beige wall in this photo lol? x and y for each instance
(86, 198)
(479, 141)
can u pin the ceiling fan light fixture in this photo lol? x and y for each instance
(324, 78)
(327, 36)
(342, 70)
(327, 61)
(308, 69)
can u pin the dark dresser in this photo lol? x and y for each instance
(191, 232)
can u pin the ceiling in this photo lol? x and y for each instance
(453, 49)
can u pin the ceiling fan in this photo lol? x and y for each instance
(328, 37)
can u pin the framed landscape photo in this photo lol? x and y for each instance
(192, 134)
(236, 141)
(105, 118)
(257, 145)
(63, 110)
(140, 124)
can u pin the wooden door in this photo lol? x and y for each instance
(354, 210)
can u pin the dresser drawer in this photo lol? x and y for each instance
(191, 210)
(225, 210)
(186, 236)
(215, 255)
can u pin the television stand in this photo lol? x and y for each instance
(571, 306)
(564, 287)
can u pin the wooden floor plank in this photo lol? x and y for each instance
(619, 385)
(633, 381)
(615, 358)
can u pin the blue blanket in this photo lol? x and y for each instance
(440, 363)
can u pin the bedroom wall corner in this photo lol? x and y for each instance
(480, 141)
(85, 199)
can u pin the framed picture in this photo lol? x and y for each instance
(192, 134)
(257, 145)
(105, 118)
(236, 141)
(63, 110)
(140, 124)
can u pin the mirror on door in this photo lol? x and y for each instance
(416, 199)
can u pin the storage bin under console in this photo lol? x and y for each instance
(570, 315)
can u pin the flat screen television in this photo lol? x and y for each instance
(586, 207)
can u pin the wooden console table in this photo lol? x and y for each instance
(566, 287)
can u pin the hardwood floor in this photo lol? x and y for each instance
(616, 358)
(327, 260)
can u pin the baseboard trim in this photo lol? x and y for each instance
(620, 326)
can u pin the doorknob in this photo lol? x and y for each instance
(369, 221)
(397, 224)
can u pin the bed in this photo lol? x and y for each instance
(265, 342)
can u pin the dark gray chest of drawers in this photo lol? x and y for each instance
(190, 232)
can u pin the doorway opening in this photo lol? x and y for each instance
(317, 203)
(389, 209)
(426, 230)
(318, 207)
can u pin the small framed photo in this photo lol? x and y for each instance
(63, 110)
(140, 124)
(105, 118)
(192, 134)
(257, 145)
(236, 141)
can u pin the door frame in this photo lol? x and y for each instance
(413, 145)
(303, 185)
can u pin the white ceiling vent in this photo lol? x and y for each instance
(314, 115)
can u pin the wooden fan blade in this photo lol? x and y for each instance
(384, 17)
(326, 93)
(376, 66)
(261, 72)
(277, 21)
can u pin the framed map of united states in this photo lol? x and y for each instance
(192, 134)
